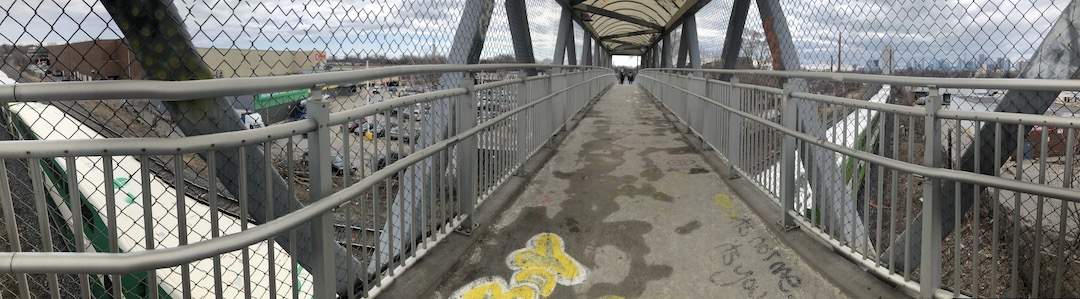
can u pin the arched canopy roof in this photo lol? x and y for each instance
(628, 26)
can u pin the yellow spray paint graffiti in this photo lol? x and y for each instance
(725, 203)
(538, 268)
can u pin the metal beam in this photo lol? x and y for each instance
(466, 49)
(628, 34)
(571, 46)
(170, 55)
(1056, 58)
(690, 34)
(586, 48)
(680, 60)
(665, 51)
(518, 17)
(560, 37)
(729, 56)
(619, 16)
(826, 181)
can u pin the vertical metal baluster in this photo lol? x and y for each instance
(110, 218)
(402, 249)
(268, 212)
(910, 194)
(1067, 183)
(294, 276)
(76, 204)
(996, 203)
(181, 219)
(958, 238)
(245, 253)
(374, 192)
(976, 234)
(346, 181)
(868, 145)
(880, 187)
(1014, 273)
(1039, 203)
(13, 229)
(215, 219)
(37, 181)
(414, 180)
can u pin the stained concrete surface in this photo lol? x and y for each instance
(643, 213)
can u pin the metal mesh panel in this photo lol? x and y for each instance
(82, 41)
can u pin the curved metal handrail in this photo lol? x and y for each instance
(976, 83)
(934, 172)
(194, 89)
(190, 144)
(96, 262)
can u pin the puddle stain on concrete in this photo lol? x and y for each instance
(688, 227)
(538, 269)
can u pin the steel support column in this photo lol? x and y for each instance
(170, 55)
(468, 44)
(665, 51)
(518, 17)
(571, 45)
(692, 45)
(827, 182)
(560, 37)
(680, 59)
(586, 48)
(729, 56)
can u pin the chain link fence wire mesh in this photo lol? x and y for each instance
(50, 41)
(956, 39)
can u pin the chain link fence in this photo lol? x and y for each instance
(52, 41)
(955, 39)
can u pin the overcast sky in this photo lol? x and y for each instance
(919, 31)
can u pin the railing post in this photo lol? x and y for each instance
(734, 129)
(319, 169)
(930, 270)
(465, 119)
(787, 179)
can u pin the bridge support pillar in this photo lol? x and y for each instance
(787, 161)
(466, 154)
(930, 268)
(323, 243)
(735, 128)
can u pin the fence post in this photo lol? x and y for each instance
(930, 270)
(319, 158)
(734, 129)
(465, 119)
(787, 179)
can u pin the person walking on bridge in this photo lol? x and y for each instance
(622, 76)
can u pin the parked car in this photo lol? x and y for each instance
(397, 132)
(251, 120)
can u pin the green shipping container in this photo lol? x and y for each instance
(266, 100)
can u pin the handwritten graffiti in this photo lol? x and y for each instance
(538, 269)
(745, 279)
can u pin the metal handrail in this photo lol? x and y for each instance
(934, 172)
(222, 87)
(976, 83)
(193, 89)
(96, 262)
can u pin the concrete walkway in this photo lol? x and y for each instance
(626, 209)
